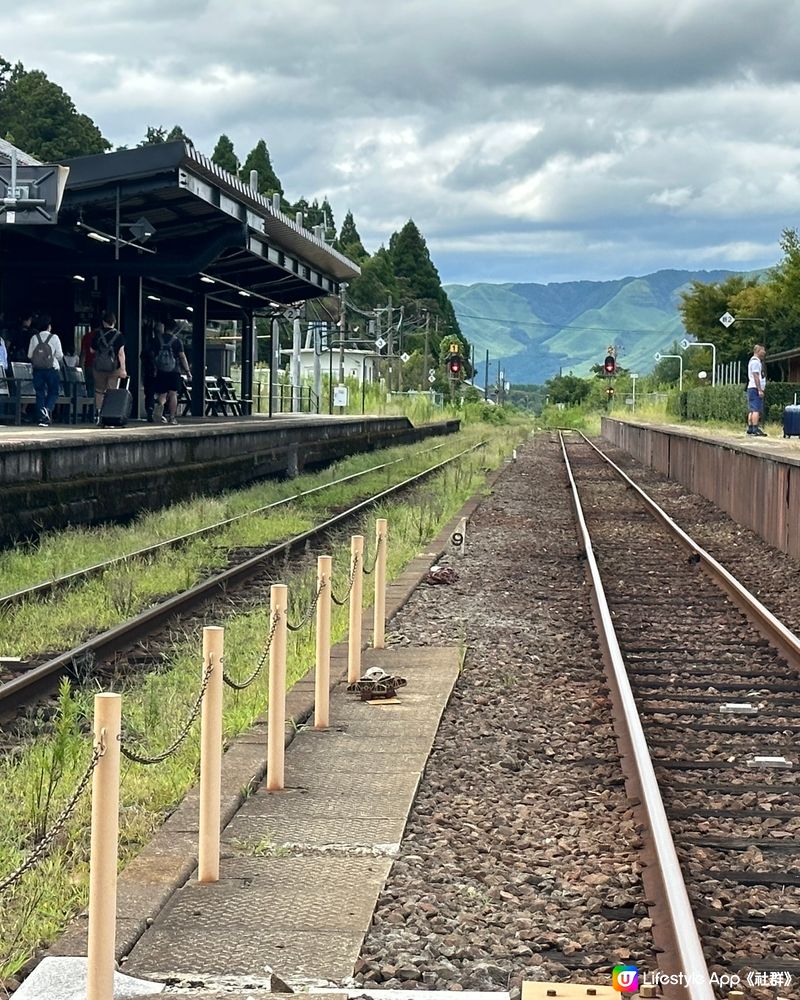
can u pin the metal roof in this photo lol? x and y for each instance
(184, 194)
(25, 159)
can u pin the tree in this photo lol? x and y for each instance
(224, 156)
(154, 136)
(567, 389)
(258, 159)
(39, 117)
(349, 242)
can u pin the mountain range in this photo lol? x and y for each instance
(537, 331)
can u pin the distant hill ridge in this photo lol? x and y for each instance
(536, 330)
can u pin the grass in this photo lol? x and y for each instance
(37, 778)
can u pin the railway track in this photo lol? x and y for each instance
(31, 683)
(705, 690)
(46, 588)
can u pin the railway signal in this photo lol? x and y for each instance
(610, 392)
(610, 365)
(455, 364)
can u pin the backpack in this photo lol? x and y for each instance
(165, 359)
(42, 356)
(105, 357)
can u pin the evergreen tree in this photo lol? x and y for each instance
(224, 156)
(327, 220)
(413, 266)
(154, 136)
(175, 133)
(376, 282)
(40, 118)
(349, 242)
(258, 159)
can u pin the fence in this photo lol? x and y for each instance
(109, 743)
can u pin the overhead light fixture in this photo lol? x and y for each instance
(99, 237)
(190, 309)
(78, 277)
(245, 295)
(208, 281)
(154, 298)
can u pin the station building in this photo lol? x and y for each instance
(158, 233)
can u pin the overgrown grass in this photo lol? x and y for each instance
(67, 618)
(38, 778)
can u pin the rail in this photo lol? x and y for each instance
(683, 927)
(75, 576)
(141, 625)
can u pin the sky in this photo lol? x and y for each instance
(584, 139)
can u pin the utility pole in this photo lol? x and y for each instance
(425, 366)
(343, 327)
(390, 341)
(486, 378)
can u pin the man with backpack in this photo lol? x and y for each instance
(170, 362)
(109, 359)
(45, 354)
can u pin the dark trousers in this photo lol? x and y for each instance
(46, 385)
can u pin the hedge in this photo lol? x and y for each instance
(728, 403)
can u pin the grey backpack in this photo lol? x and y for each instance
(42, 356)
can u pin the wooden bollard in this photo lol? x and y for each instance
(276, 717)
(322, 677)
(210, 756)
(379, 620)
(356, 597)
(104, 849)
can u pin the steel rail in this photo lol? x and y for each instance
(688, 950)
(47, 587)
(773, 630)
(143, 624)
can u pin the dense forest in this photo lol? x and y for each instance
(398, 295)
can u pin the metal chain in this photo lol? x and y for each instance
(309, 612)
(241, 685)
(98, 750)
(138, 758)
(371, 570)
(350, 582)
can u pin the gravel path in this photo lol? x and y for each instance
(519, 859)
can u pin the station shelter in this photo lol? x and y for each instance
(159, 233)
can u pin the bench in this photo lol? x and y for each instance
(18, 391)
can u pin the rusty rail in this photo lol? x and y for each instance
(679, 938)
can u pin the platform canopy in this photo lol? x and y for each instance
(169, 215)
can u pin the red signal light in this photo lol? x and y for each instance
(454, 366)
(610, 365)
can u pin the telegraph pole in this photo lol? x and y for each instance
(343, 326)
(425, 366)
(390, 341)
(486, 378)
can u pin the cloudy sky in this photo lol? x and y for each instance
(530, 142)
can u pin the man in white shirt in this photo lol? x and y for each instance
(756, 384)
(45, 354)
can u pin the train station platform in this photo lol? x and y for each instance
(301, 869)
(756, 480)
(84, 474)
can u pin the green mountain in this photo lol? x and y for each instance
(535, 331)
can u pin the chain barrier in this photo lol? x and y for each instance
(44, 845)
(138, 758)
(241, 685)
(309, 612)
(371, 570)
(334, 598)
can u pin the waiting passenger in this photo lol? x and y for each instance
(170, 362)
(150, 348)
(109, 359)
(21, 338)
(45, 354)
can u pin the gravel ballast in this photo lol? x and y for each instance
(520, 856)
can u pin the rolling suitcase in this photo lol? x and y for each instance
(116, 408)
(791, 419)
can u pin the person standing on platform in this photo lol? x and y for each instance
(18, 347)
(45, 355)
(109, 359)
(150, 349)
(756, 384)
(86, 355)
(170, 363)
